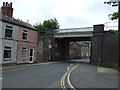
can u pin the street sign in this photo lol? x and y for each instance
(50, 46)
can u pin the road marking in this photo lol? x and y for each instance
(68, 77)
(1, 78)
(68, 68)
(63, 81)
(63, 85)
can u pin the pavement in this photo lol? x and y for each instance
(89, 76)
(9, 67)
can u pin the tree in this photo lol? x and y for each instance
(47, 24)
(40, 28)
(51, 24)
(115, 15)
(114, 3)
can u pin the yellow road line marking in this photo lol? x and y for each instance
(64, 77)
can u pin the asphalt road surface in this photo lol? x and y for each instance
(49, 76)
(89, 76)
(46, 76)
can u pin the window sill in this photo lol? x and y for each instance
(7, 59)
(24, 58)
(8, 38)
(24, 40)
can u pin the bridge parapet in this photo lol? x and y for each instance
(71, 30)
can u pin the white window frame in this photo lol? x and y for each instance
(22, 52)
(9, 28)
(26, 32)
(6, 50)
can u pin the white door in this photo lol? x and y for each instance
(31, 55)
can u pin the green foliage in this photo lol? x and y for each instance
(51, 24)
(113, 3)
(114, 31)
(119, 34)
(114, 15)
(110, 66)
(40, 28)
(47, 24)
(107, 65)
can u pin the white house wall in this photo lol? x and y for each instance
(1, 54)
(15, 30)
(12, 43)
(0, 51)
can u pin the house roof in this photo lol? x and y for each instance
(17, 22)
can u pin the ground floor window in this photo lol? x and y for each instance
(7, 52)
(24, 52)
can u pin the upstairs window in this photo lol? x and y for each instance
(25, 35)
(8, 32)
(7, 52)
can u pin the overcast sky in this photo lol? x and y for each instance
(69, 13)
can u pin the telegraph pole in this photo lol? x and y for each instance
(119, 17)
(119, 31)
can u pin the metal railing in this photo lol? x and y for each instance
(108, 26)
(111, 25)
(74, 30)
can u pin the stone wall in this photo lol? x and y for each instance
(110, 48)
(79, 50)
(40, 48)
(105, 46)
(45, 46)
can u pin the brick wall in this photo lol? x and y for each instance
(105, 46)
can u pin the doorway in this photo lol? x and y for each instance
(31, 55)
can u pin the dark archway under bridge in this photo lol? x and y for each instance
(62, 46)
(63, 38)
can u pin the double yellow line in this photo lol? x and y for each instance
(63, 79)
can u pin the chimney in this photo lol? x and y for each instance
(11, 4)
(7, 9)
(3, 3)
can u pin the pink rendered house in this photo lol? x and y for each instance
(27, 44)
